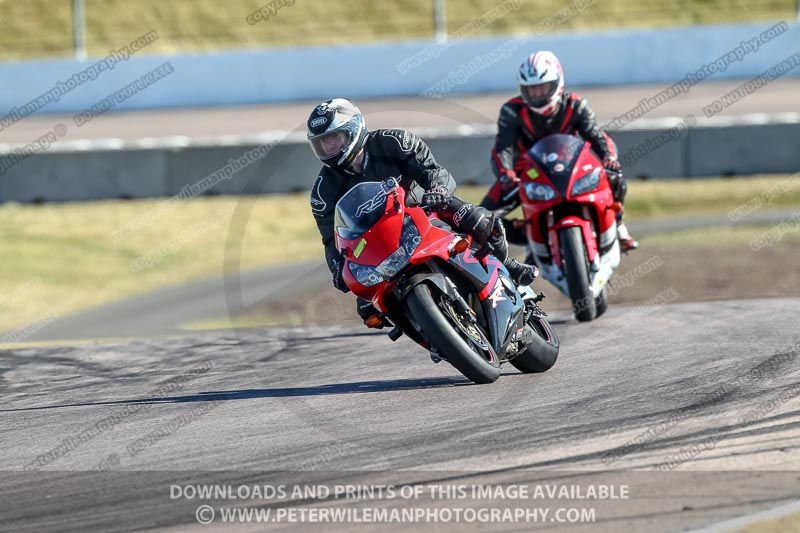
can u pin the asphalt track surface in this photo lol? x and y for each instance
(776, 98)
(344, 405)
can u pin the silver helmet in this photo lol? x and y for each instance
(336, 132)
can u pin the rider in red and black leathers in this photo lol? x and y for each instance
(529, 117)
(518, 128)
(352, 155)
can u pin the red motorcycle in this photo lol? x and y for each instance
(570, 219)
(430, 284)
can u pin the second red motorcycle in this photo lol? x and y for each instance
(570, 220)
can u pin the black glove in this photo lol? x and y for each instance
(337, 267)
(611, 163)
(436, 197)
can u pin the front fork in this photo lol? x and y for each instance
(403, 324)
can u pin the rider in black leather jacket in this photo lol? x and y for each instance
(352, 155)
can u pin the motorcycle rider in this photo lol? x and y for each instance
(351, 155)
(544, 108)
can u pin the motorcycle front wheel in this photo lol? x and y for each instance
(456, 340)
(576, 270)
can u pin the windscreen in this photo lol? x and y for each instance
(556, 156)
(359, 209)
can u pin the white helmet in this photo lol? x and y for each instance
(541, 82)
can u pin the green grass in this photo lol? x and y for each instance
(63, 253)
(43, 28)
(58, 258)
(786, 524)
(700, 197)
(714, 237)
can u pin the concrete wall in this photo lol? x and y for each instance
(701, 151)
(742, 149)
(465, 66)
(57, 177)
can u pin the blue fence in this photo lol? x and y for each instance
(465, 66)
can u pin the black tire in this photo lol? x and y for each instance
(601, 304)
(576, 269)
(542, 353)
(438, 330)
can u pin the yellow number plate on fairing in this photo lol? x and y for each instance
(360, 247)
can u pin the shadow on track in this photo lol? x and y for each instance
(357, 387)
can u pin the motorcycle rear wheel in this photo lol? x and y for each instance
(541, 354)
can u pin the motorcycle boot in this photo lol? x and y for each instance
(370, 315)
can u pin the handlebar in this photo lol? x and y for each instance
(512, 193)
(428, 209)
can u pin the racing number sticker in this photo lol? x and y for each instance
(360, 247)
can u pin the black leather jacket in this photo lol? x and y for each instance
(388, 153)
